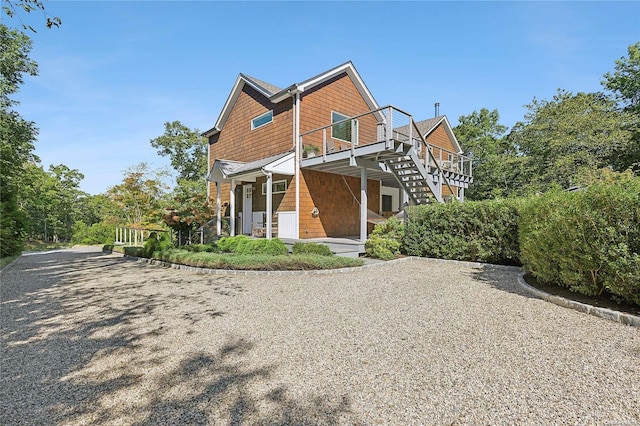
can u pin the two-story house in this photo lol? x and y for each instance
(321, 158)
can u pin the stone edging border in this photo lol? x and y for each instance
(605, 313)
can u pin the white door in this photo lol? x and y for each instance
(247, 194)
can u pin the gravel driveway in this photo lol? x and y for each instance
(93, 338)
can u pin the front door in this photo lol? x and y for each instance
(247, 208)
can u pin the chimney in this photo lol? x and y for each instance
(437, 105)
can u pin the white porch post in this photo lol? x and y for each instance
(404, 198)
(363, 205)
(461, 193)
(218, 211)
(232, 206)
(269, 203)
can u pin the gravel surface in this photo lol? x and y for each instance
(93, 338)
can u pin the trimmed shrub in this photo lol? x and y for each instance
(230, 244)
(311, 248)
(476, 231)
(380, 247)
(273, 247)
(134, 251)
(385, 240)
(587, 241)
(157, 242)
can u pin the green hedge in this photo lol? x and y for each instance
(477, 231)
(311, 248)
(587, 241)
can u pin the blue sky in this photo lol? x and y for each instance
(114, 72)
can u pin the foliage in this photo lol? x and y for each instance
(156, 243)
(51, 201)
(588, 241)
(191, 207)
(380, 247)
(230, 244)
(263, 246)
(385, 240)
(186, 148)
(624, 83)
(257, 262)
(571, 134)
(18, 136)
(140, 195)
(497, 167)
(311, 248)
(477, 231)
(134, 251)
(13, 7)
(97, 233)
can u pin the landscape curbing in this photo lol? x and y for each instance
(605, 313)
(621, 317)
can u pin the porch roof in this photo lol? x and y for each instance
(224, 170)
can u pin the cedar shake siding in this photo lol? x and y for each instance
(339, 211)
(236, 141)
(340, 95)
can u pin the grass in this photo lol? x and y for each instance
(4, 261)
(256, 262)
(37, 245)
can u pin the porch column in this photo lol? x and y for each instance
(218, 211)
(232, 208)
(269, 204)
(363, 205)
(404, 199)
(461, 193)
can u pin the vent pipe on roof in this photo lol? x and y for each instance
(437, 106)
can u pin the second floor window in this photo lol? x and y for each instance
(341, 131)
(262, 120)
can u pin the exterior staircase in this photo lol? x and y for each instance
(412, 175)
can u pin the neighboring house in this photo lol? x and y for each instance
(320, 158)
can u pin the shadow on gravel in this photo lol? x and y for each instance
(222, 389)
(500, 279)
(79, 332)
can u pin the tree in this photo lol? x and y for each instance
(51, 201)
(569, 136)
(141, 195)
(496, 165)
(186, 148)
(624, 83)
(17, 136)
(12, 8)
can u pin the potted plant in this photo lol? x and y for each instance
(310, 151)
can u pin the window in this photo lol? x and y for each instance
(261, 120)
(387, 203)
(340, 131)
(277, 187)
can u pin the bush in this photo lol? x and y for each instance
(311, 248)
(587, 241)
(98, 233)
(273, 247)
(134, 251)
(230, 244)
(157, 242)
(476, 231)
(380, 247)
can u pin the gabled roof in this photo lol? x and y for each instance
(429, 125)
(275, 94)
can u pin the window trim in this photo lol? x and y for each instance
(273, 184)
(253, 126)
(333, 126)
